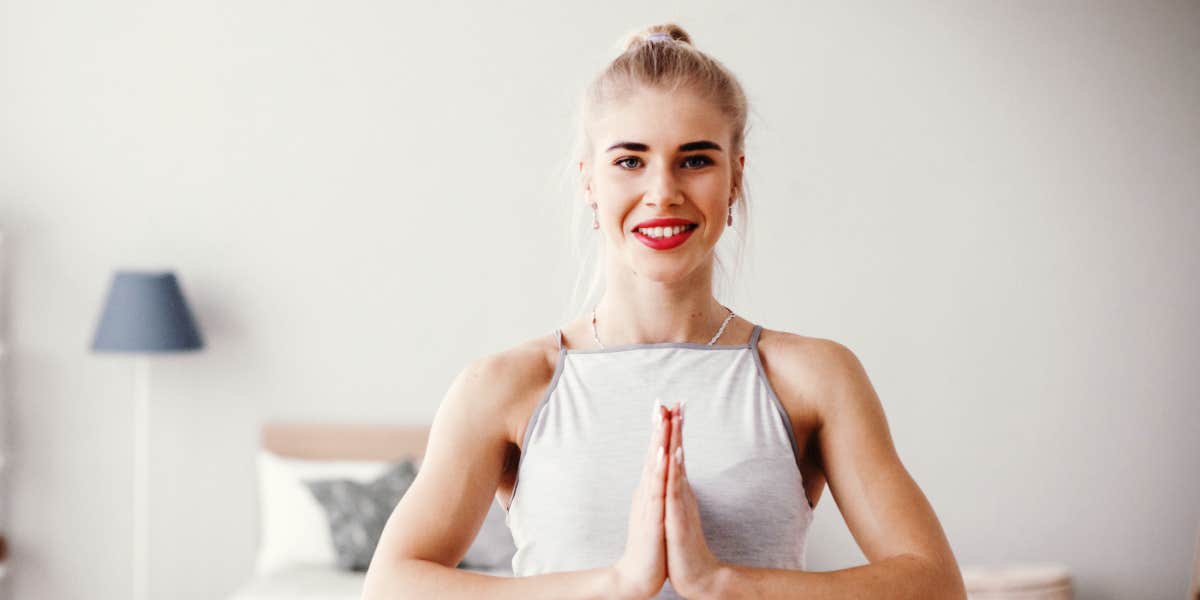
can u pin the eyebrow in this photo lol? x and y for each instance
(688, 147)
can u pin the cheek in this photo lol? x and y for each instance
(615, 185)
(708, 183)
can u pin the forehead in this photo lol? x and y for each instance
(663, 120)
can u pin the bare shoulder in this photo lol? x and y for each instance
(510, 378)
(466, 460)
(807, 370)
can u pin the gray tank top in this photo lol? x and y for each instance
(586, 439)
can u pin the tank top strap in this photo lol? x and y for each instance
(558, 336)
(754, 336)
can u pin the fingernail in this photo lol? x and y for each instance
(679, 455)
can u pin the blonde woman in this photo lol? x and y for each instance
(661, 445)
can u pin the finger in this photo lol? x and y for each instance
(657, 437)
(672, 483)
(665, 445)
(657, 488)
(676, 429)
(679, 437)
(662, 446)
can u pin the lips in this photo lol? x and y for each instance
(663, 222)
(665, 243)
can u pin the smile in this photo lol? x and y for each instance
(667, 237)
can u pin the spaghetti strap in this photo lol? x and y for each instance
(559, 337)
(754, 336)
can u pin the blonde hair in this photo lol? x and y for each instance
(661, 57)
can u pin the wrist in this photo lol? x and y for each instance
(718, 584)
(618, 587)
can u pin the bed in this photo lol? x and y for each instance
(295, 556)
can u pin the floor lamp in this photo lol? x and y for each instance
(145, 313)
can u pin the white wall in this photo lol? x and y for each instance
(995, 205)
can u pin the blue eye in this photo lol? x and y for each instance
(704, 161)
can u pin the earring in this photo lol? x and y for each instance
(595, 217)
(731, 214)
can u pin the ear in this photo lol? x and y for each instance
(585, 181)
(737, 175)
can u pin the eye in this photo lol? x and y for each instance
(700, 161)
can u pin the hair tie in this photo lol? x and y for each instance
(658, 36)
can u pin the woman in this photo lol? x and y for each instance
(720, 505)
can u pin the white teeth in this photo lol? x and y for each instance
(659, 232)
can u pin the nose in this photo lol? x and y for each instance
(663, 188)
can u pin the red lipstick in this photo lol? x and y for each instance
(664, 243)
(663, 223)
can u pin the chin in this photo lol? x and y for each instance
(665, 273)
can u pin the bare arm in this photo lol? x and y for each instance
(887, 513)
(895, 577)
(439, 516)
(413, 578)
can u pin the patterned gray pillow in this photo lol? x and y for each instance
(493, 547)
(357, 511)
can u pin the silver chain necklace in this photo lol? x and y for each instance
(596, 336)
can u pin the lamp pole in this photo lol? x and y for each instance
(141, 427)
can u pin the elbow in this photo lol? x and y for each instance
(374, 582)
(399, 577)
(953, 589)
(386, 579)
(940, 578)
(944, 578)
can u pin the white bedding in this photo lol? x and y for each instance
(313, 583)
(296, 558)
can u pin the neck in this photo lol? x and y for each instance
(637, 310)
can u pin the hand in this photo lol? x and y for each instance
(691, 566)
(642, 568)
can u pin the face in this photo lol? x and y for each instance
(661, 156)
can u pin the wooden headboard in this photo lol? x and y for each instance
(328, 441)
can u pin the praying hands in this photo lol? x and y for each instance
(665, 538)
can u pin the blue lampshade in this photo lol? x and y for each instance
(146, 312)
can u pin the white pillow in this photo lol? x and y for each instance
(293, 529)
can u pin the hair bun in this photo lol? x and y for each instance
(655, 33)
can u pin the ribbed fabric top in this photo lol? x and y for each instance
(585, 442)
